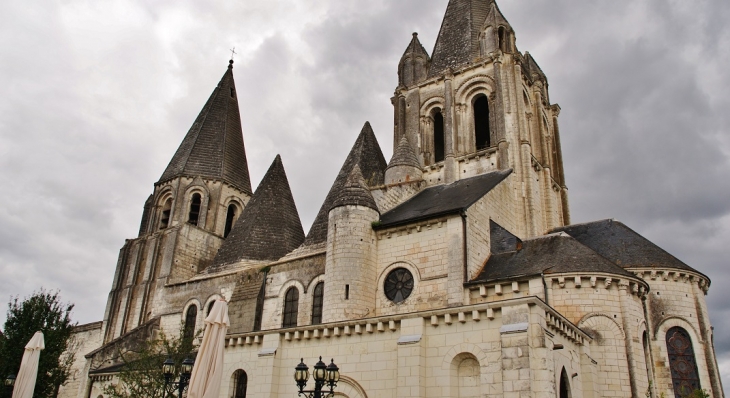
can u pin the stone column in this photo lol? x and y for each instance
(450, 172)
(411, 359)
(625, 298)
(502, 143)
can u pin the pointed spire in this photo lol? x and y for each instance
(269, 226)
(404, 155)
(458, 41)
(213, 147)
(414, 63)
(354, 192)
(367, 155)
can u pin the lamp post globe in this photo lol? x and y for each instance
(168, 367)
(333, 373)
(301, 374)
(187, 367)
(320, 371)
(10, 381)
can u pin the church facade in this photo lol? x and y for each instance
(451, 270)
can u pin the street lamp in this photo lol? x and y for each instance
(10, 381)
(168, 370)
(323, 374)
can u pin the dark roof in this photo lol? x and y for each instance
(365, 153)
(214, 147)
(443, 199)
(458, 40)
(269, 226)
(622, 246)
(355, 192)
(531, 67)
(550, 254)
(404, 155)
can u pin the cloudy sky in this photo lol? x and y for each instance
(97, 95)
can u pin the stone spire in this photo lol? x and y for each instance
(458, 42)
(367, 155)
(269, 226)
(404, 155)
(354, 192)
(414, 63)
(213, 147)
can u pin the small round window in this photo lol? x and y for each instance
(398, 285)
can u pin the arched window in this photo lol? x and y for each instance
(210, 308)
(502, 39)
(291, 308)
(564, 384)
(190, 319)
(230, 216)
(317, 303)
(481, 122)
(194, 209)
(438, 136)
(165, 215)
(240, 384)
(682, 364)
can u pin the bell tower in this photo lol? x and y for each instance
(477, 105)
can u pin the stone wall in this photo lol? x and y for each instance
(85, 338)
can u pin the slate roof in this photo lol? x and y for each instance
(458, 40)
(355, 192)
(404, 155)
(550, 254)
(367, 155)
(268, 228)
(623, 246)
(443, 199)
(213, 147)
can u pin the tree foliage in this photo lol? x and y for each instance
(42, 311)
(141, 372)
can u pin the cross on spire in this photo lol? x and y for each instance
(233, 52)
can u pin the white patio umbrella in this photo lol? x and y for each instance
(205, 380)
(25, 381)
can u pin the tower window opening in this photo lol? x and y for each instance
(481, 123)
(502, 39)
(438, 136)
(190, 319)
(194, 209)
(291, 308)
(233, 92)
(317, 303)
(230, 216)
(165, 215)
(347, 292)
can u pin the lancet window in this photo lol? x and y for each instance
(165, 214)
(682, 363)
(230, 217)
(194, 214)
(317, 303)
(481, 123)
(438, 136)
(190, 318)
(291, 308)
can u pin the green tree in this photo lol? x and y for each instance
(141, 372)
(42, 311)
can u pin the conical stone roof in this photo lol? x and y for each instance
(354, 192)
(411, 71)
(269, 226)
(213, 147)
(367, 155)
(404, 155)
(458, 41)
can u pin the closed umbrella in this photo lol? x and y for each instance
(205, 380)
(25, 382)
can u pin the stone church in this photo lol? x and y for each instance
(451, 270)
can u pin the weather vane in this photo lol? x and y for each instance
(233, 52)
